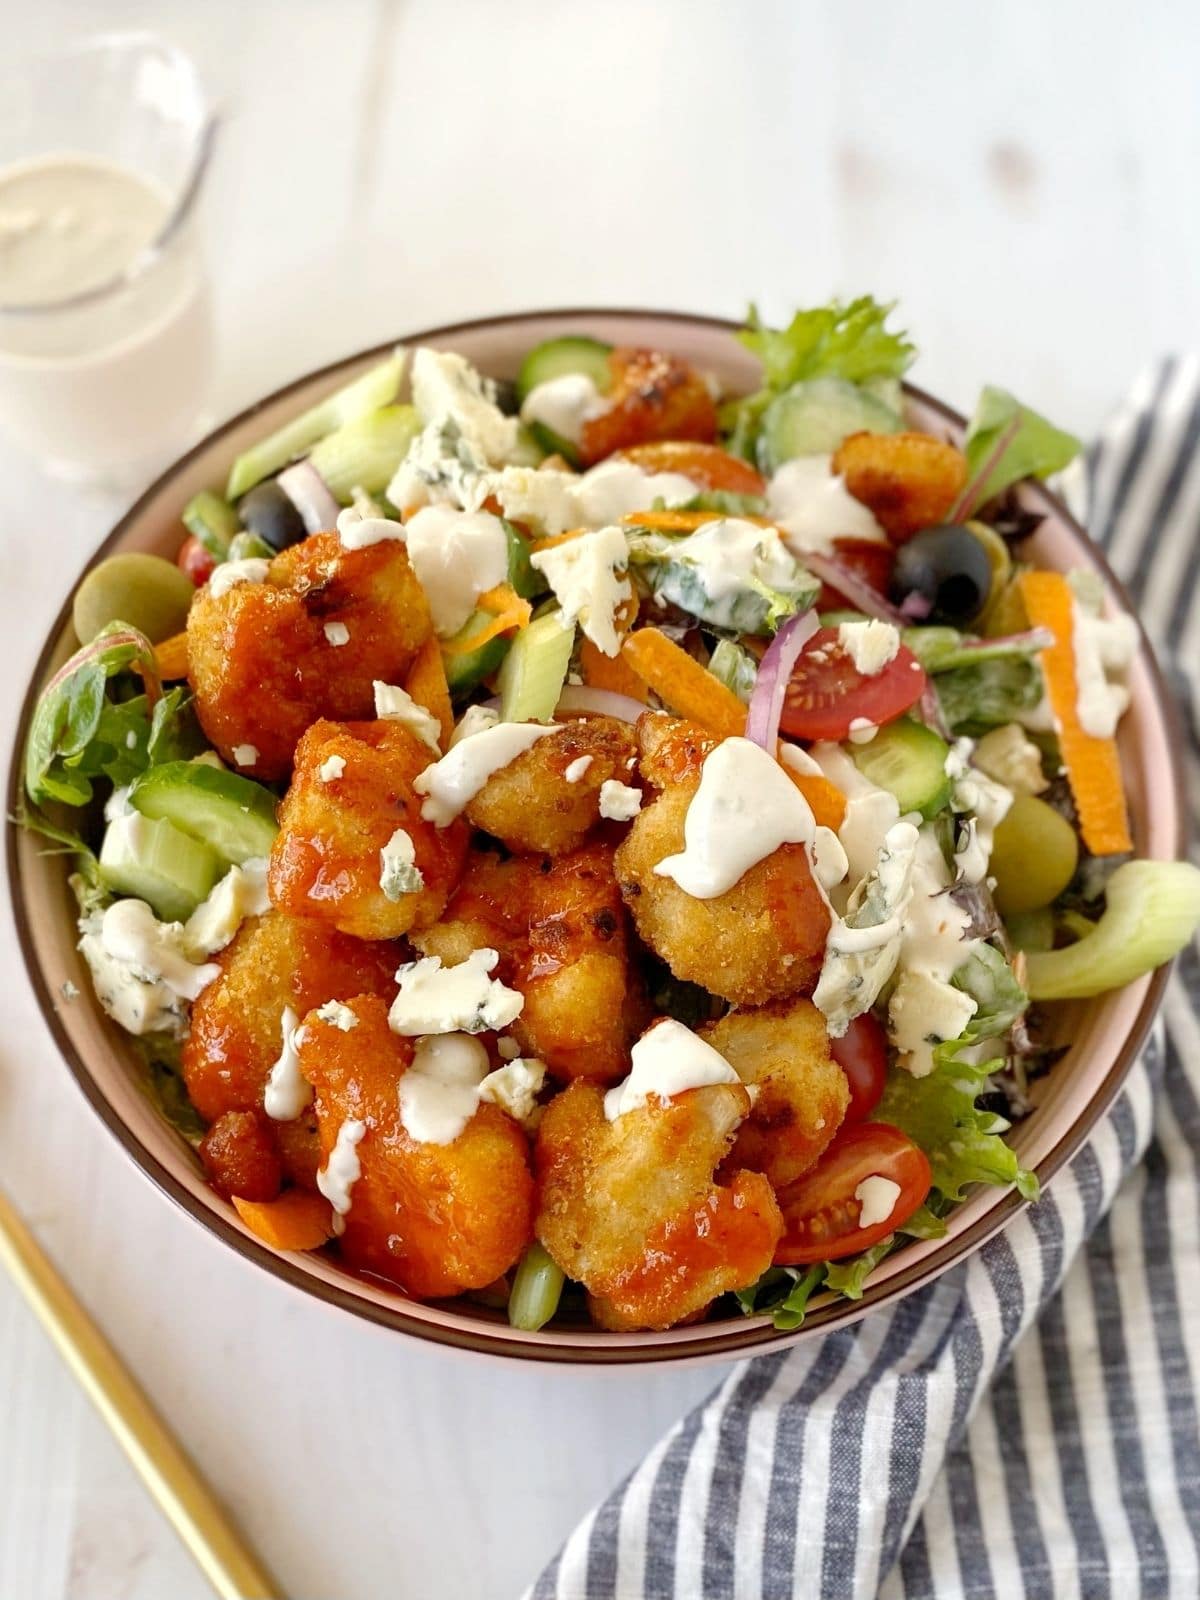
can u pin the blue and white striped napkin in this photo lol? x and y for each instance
(932, 1449)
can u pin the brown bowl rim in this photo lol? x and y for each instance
(729, 1339)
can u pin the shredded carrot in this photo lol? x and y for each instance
(171, 657)
(298, 1220)
(825, 800)
(683, 684)
(427, 685)
(555, 539)
(509, 613)
(612, 673)
(682, 521)
(1093, 766)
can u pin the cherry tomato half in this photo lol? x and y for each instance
(820, 1210)
(195, 560)
(710, 467)
(827, 692)
(869, 559)
(861, 1053)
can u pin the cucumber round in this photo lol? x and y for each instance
(213, 521)
(153, 861)
(812, 418)
(557, 357)
(908, 760)
(232, 815)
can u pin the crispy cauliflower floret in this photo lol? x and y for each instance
(546, 800)
(802, 1092)
(264, 658)
(651, 396)
(235, 1038)
(759, 941)
(629, 1208)
(561, 931)
(353, 848)
(434, 1218)
(909, 481)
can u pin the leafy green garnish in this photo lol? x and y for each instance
(939, 1112)
(939, 649)
(982, 696)
(681, 571)
(734, 666)
(784, 1292)
(849, 1276)
(1006, 442)
(841, 341)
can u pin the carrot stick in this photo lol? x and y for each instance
(825, 800)
(682, 521)
(683, 684)
(553, 539)
(298, 1220)
(428, 687)
(171, 657)
(1093, 766)
(509, 612)
(612, 673)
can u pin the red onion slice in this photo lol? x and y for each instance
(856, 589)
(621, 706)
(774, 673)
(310, 494)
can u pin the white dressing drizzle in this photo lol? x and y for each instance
(439, 1092)
(813, 507)
(229, 574)
(342, 1171)
(453, 782)
(667, 1060)
(564, 405)
(288, 1092)
(457, 556)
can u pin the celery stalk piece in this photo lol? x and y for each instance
(537, 1288)
(535, 669)
(1152, 910)
(376, 387)
(364, 454)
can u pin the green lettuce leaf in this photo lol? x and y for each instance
(977, 697)
(724, 502)
(939, 1113)
(849, 1276)
(784, 1292)
(1006, 442)
(940, 649)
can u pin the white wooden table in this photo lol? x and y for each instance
(1020, 178)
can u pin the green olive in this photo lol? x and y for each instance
(1034, 856)
(999, 560)
(149, 593)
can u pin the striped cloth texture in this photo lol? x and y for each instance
(1027, 1425)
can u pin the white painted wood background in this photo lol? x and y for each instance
(1022, 176)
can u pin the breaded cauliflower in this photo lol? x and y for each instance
(560, 928)
(434, 1218)
(802, 1093)
(761, 940)
(909, 481)
(546, 800)
(265, 659)
(651, 396)
(236, 1035)
(629, 1208)
(353, 848)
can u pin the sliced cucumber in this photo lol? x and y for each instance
(364, 453)
(246, 546)
(232, 815)
(535, 669)
(521, 574)
(376, 387)
(153, 861)
(812, 419)
(555, 358)
(908, 760)
(213, 521)
(465, 670)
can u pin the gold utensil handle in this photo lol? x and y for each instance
(200, 1521)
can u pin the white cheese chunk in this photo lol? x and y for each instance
(619, 802)
(588, 577)
(241, 893)
(459, 999)
(393, 704)
(331, 769)
(439, 1092)
(514, 1087)
(457, 556)
(871, 645)
(398, 872)
(245, 754)
(1011, 757)
(1104, 648)
(337, 1015)
(667, 1060)
(337, 633)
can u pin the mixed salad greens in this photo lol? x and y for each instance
(870, 824)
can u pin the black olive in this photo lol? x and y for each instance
(267, 511)
(949, 568)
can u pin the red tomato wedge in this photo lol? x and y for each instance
(861, 1053)
(869, 559)
(827, 692)
(195, 560)
(707, 465)
(820, 1211)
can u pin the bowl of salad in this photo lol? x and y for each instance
(603, 836)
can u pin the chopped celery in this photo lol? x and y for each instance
(534, 670)
(1152, 910)
(735, 667)
(365, 452)
(1032, 930)
(537, 1288)
(213, 521)
(378, 386)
